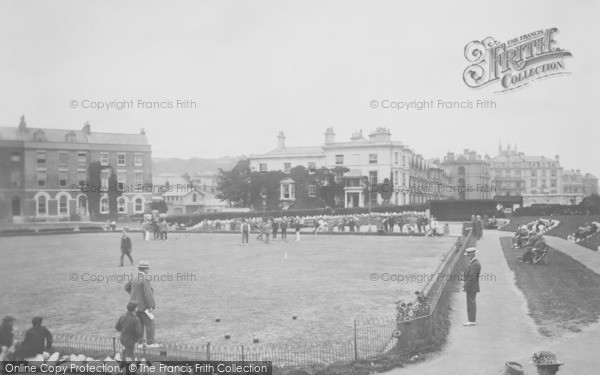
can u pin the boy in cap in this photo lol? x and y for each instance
(131, 330)
(471, 285)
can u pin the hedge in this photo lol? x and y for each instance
(556, 209)
(197, 218)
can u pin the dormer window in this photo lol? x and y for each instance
(70, 137)
(39, 136)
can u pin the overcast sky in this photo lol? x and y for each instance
(255, 68)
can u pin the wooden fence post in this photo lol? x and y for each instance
(208, 351)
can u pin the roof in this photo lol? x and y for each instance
(296, 151)
(59, 136)
(171, 178)
(522, 158)
(182, 193)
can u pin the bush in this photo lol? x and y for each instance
(90, 229)
(556, 209)
(52, 230)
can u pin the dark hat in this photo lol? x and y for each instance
(8, 319)
(545, 358)
(513, 368)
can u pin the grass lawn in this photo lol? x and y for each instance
(325, 281)
(562, 296)
(568, 225)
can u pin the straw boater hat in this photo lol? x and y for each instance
(144, 264)
(470, 250)
(545, 358)
(512, 368)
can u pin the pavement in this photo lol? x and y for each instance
(504, 330)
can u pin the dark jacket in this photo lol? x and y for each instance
(141, 292)
(471, 276)
(6, 336)
(126, 245)
(130, 328)
(37, 339)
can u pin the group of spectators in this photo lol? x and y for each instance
(584, 232)
(158, 226)
(406, 222)
(531, 237)
(37, 340)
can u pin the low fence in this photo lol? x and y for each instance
(373, 336)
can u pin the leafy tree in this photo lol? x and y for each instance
(591, 201)
(113, 192)
(234, 185)
(385, 191)
(93, 189)
(160, 206)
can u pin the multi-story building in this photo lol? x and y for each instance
(48, 171)
(207, 181)
(514, 173)
(470, 175)
(369, 160)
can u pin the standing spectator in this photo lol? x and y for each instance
(479, 224)
(400, 223)
(156, 228)
(419, 223)
(141, 292)
(284, 225)
(245, 229)
(146, 230)
(7, 332)
(37, 340)
(351, 224)
(471, 285)
(126, 248)
(297, 225)
(275, 224)
(261, 229)
(268, 230)
(131, 331)
(164, 229)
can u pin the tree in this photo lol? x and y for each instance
(234, 185)
(385, 191)
(94, 187)
(113, 192)
(160, 206)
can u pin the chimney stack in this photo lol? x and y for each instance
(280, 141)
(329, 135)
(556, 158)
(87, 128)
(23, 125)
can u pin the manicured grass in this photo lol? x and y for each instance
(564, 295)
(568, 225)
(325, 281)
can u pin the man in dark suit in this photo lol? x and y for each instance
(141, 292)
(37, 340)
(126, 248)
(471, 285)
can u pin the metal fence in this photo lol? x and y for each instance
(373, 336)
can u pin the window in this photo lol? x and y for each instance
(63, 158)
(104, 158)
(533, 183)
(15, 178)
(287, 167)
(372, 158)
(81, 178)
(139, 205)
(533, 173)
(552, 191)
(42, 208)
(122, 205)
(534, 192)
(396, 157)
(121, 160)
(339, 159)
(553, 173)
(194, 197)
(396, 179)
(63, 205)
(121, 180)
(404, 160)
(544, 173)
(312, 166)
(373, 177)
(373, 198)
(263, 167)
(62, 179)
(138, 160)
(41, 157)
(70, 137)
(82, 158)
(15, 156)
(404, 179)
(461, 170)
(553, 183)
(507, 173)
(138, 178)
(518, 172)
(104, 205)
(312, 190)
(41, 177)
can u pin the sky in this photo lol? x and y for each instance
(254, 68)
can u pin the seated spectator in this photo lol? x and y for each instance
(521, 235)
(546, 363)
(37, 340)
(538, 248)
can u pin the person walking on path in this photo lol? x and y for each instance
(141, 292)
(283, 227)
(126, 248)
(131, 330)
(471, 285)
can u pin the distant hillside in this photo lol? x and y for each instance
(181, 166)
